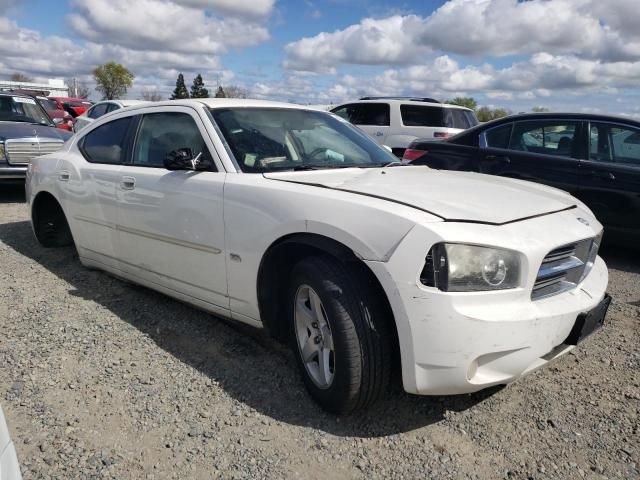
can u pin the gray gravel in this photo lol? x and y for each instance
(103, 379)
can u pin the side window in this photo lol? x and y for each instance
(105, 144)
(614, 143)
(111, 107)
(162, 133)
(377, 114)
(498, 137)
(550, 137)
(98, 111)
(345, 112)
(422, 116)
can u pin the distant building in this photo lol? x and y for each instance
(54, 88)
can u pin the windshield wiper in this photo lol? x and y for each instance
(395, 163)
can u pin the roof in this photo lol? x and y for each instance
(519, 117)
(225, 103)
(404, 101)
(69, 99)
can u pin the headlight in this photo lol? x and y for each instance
(455, 267)
(593, 254)
(3, 155)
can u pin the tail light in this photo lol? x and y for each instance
(440, 134)
(411, 154)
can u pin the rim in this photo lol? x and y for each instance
(314, 337)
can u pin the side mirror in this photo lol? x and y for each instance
(183, 159)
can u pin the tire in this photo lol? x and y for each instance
(358, 330)
(51, 228)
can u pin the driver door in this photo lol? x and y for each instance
(171, 228)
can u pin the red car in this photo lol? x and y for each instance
(73, 106)
(62, 119)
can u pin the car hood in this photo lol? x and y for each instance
(453, 196)
(26, 130)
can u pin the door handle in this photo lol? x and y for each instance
(603, 175)
(127, 183)
(499, 158)
(64, 176)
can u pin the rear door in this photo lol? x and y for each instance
(92, 189)
(611, 184)
(372, 118)
(170, 223)
(544, 151)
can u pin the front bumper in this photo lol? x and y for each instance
(453, 343)
(13, 173)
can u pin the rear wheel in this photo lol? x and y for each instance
(339, 334)
(50, 225)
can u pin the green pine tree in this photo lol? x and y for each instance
(220, 93)
(181, 89)
(197, 89)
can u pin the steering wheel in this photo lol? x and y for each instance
(316, 151)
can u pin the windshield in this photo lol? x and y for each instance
(273, 139)
(22, 109)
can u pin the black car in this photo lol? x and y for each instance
(26, 131)
(594, 157)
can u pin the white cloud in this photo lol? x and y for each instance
(161, 25)
(253, 8)
(384, 41)
(584, 28)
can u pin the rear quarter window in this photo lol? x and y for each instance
(421, 116)
(106, 144)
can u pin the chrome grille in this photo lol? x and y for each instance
(21, 151)
(565, 267)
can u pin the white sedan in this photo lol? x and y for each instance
(291, 219)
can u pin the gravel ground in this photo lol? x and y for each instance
(103, 379)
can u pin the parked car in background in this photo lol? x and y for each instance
(100, 109)
(26, 131)
(594, 157)
(62, 119)
(73, 106)
(292, 219)
(397, 121)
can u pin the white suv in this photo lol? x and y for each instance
(292, 219)
(397, 121)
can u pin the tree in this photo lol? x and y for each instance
(220, 92)
(20, 77)
(197, 89)
(485, 113)
(181, 89)
(235, 91)
(468, 102)
(112, 80)
(539, 109)
(151, 95)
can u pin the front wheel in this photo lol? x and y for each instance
(339, 334)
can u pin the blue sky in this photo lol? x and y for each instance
(578, 55)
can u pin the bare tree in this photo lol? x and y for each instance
(77, 89)
(20, 77)
(82, 90)
(235, 91)
(151, 95)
